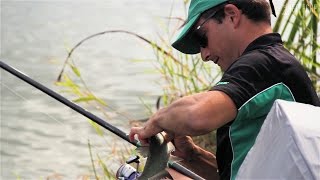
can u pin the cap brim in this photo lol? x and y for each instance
(185, 42)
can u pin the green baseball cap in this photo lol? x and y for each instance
(184, 42)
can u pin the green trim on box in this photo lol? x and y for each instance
(247, 124)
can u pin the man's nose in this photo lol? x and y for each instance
(205, 54)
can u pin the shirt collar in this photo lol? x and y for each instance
(263, 41)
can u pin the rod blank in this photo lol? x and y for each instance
(66, 102)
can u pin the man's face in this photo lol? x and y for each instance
(216, 41)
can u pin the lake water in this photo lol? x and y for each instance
(41, 137)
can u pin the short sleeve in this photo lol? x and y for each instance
(246, 77)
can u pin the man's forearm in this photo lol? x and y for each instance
(193, 115)
(176, 118)
(197, 114)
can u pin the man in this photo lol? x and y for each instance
(237, 36)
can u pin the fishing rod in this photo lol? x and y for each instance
(151, 160)
(66, 102)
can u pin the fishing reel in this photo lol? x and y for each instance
(128, 172)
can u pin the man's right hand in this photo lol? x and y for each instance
(184, 147)
(196, 159)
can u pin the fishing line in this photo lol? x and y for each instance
(73, 132)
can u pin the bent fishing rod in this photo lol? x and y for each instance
(66, 102)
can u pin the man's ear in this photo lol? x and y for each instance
(233, 14)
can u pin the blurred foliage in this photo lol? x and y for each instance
(299, 27)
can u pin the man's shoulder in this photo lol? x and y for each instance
(252, 59)
(272, 56)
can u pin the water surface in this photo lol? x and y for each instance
(39, 136)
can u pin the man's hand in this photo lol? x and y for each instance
(184, 147)
(195, 158)
(144, 133)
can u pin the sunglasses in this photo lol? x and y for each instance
(201, 37)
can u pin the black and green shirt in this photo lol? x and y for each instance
(266, 71)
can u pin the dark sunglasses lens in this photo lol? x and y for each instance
(203, 41)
